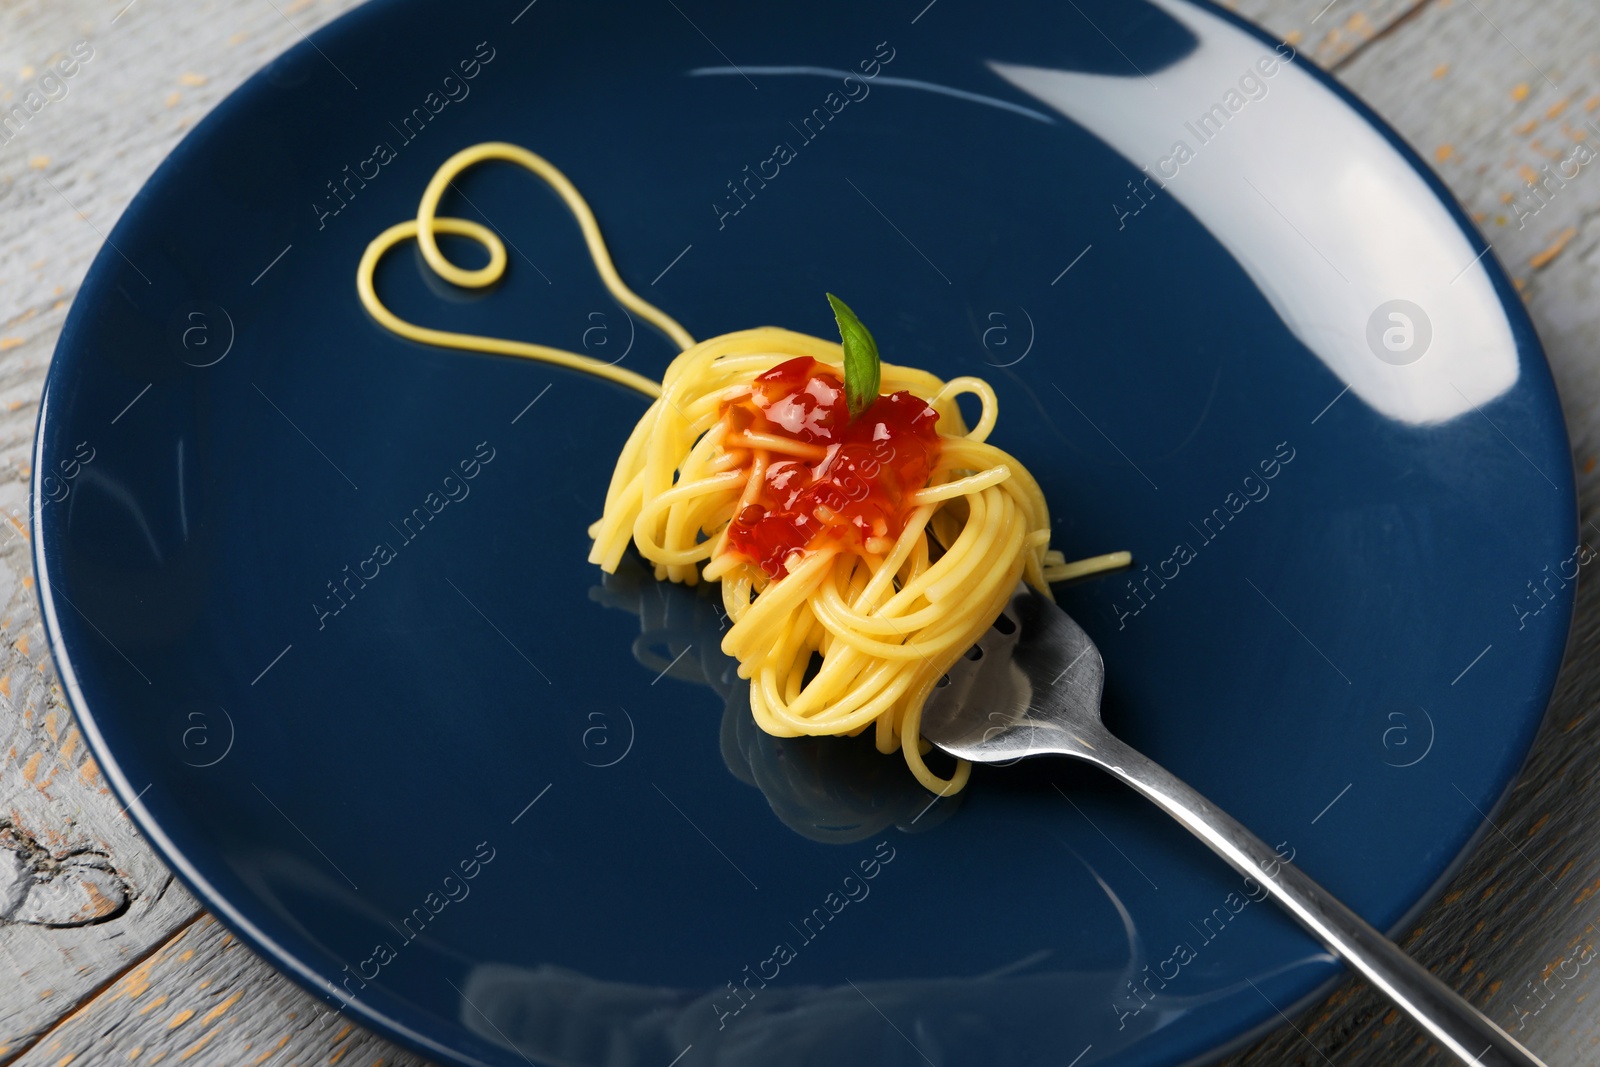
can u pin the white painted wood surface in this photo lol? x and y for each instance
(104, 956)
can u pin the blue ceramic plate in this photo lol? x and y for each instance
(319, 597)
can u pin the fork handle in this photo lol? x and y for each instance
(1437, 1008)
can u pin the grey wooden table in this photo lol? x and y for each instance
(104, 955)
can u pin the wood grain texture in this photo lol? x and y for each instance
(1483, 88)
(204, 998)
(1329, 32)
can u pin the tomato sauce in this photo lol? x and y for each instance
(850, 487)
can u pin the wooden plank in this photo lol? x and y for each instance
(82, 897)
(204, 997)
(1329, 31)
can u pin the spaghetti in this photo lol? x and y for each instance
(858, 558)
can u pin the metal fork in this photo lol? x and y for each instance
(1032, 686)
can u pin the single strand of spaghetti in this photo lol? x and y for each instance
(951, 425)
(883, 735)
(473, 342)
(1034, 574)
(720, 568)
(980, 453)
(1093, 565)
(575, 203)
(911, 730)
(963, 453)
(919, 561)
(986, 396)
(920, 384)
(777, 443)
(972, 483)
(730, 458)
(932, 782)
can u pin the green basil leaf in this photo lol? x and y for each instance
(861, 363)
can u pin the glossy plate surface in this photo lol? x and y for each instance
(319, 595)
